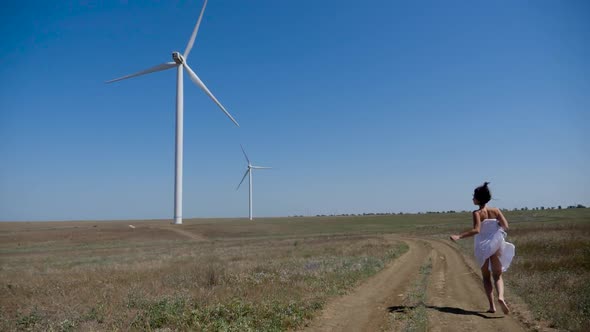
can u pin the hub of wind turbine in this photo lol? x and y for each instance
(178, 58)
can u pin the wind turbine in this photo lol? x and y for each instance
(180, 63)
(249, 172)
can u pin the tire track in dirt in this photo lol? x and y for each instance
(455, 300)
(365, 308)
(455, 296)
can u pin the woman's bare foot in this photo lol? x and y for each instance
(504, 307)
(491, 310)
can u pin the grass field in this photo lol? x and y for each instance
(270, 274)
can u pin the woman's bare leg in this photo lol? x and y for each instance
(487, 284)
(497, 274)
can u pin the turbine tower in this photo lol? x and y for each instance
(180, 62)
(249, 172)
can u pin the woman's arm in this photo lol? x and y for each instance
(475, 230)
(502, 220)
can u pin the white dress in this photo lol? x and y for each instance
(491, 239)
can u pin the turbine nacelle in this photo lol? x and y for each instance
(178, 58)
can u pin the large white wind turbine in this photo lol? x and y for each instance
(249, 172)
(180, 63)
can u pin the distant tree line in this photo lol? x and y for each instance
(559, 207)
(578, 206)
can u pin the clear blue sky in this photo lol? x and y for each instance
(359, 106)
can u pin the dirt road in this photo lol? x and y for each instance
(454, 298)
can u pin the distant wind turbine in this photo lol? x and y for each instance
(249, 172)
(180, 63)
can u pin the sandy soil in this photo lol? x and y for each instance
(454, 300)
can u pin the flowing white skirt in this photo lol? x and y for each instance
(490, 239)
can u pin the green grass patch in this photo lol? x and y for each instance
(235, 315)
(412, 316)
(29, 321)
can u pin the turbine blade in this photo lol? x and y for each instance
(245, 155)
(201, 85)
(261, 167)
(245, 174)
(160, 67)
(191, 41)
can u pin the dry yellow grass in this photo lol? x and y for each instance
(271, 274)
(114, 277)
